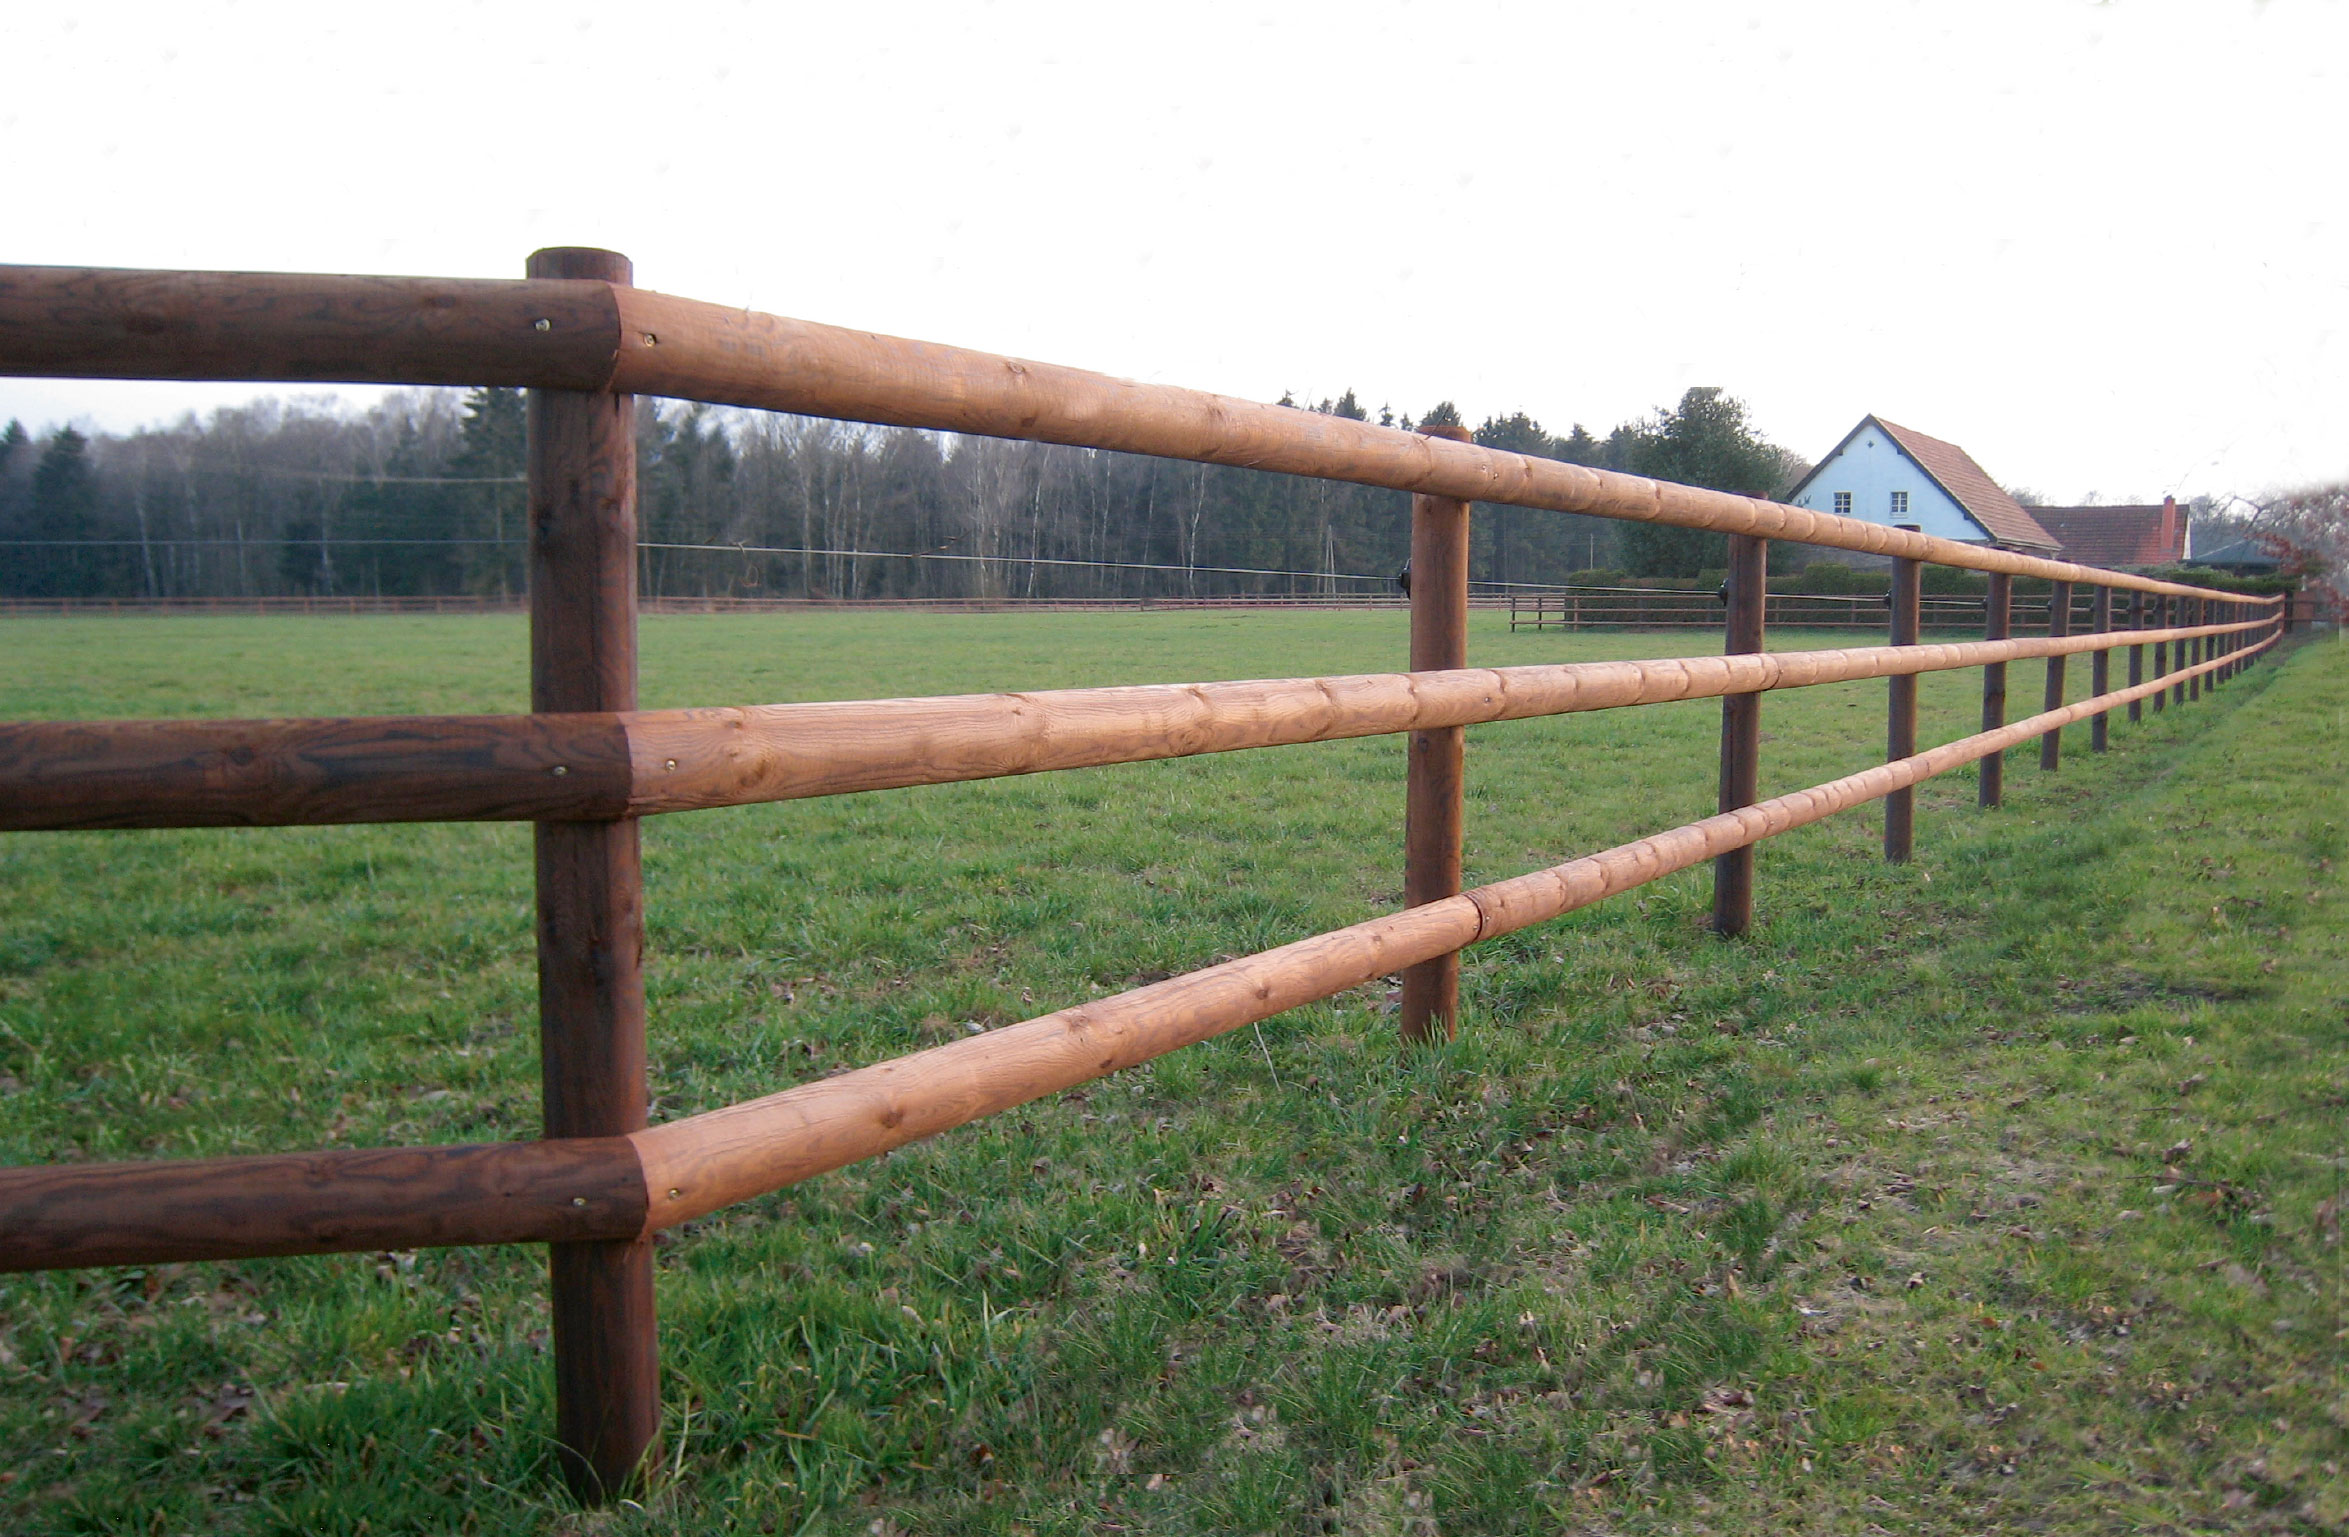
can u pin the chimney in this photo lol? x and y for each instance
(2172, 547)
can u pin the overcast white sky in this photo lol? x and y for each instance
(2101, 246)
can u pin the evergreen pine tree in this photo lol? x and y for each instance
(492, 444)
(65, 506)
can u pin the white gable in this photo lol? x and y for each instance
(1870, 469)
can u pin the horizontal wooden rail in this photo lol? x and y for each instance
(329, 1202)
(698, 1164)
(127, 323)
(283, 773)
(618, 1187)
(122, 774)
(580, 334)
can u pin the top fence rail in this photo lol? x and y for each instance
(584, 334)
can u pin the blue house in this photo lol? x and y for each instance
(1887, 474)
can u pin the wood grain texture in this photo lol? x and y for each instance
(318, 1203)
(611, 1188)
(1528, 899)
(591, 1025)
(69, 774)
(2100, 671)
(701, 1163)
(2059, 624)
(1436, 780)
(1741, 728)
(2198, 649)
(117, 323)
(120, 323)
(696, 1165)
(275, 773)
(697, 351)
(691, 759)
(1998, 614)
(2136, 654)
(2164, 613)
(614, 1187)
(1900, 714)
(2181, 655)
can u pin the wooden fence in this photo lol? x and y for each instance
(586, 764)
(1648, 608)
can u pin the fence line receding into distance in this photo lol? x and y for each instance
(586, 764)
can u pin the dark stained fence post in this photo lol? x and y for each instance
(591, 905)
(2210, 643)
(1433, 794)
(2182, 610)
(1741, 729)
(2100, 671)
(2136, 655)
(1997, 624)
(2161, 648)
(1900, 726)
(2059, 624)
(2198, 649)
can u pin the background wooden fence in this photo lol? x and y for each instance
(586, 764)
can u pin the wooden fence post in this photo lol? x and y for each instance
(2136, 655)
(2100, 670)
(2161, 607)
(2197, 649)
(1900, 726)
(2179, 653)
(1997, 624)
(591, 904)
(1433, 794)
(1741, 729)
(2059, 624)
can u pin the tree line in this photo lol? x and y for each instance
(421, 493)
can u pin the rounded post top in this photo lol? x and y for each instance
(579, 261)
(1449, 432)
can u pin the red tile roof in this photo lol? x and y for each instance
(1954, 470)
(2118, 536)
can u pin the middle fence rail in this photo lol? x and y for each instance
(525, 768)
(586, 766)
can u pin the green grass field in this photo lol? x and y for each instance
(2001, 1191)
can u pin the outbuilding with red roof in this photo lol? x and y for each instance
(2119, 537)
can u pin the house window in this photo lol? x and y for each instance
(1843, 504)
(1900, 504)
